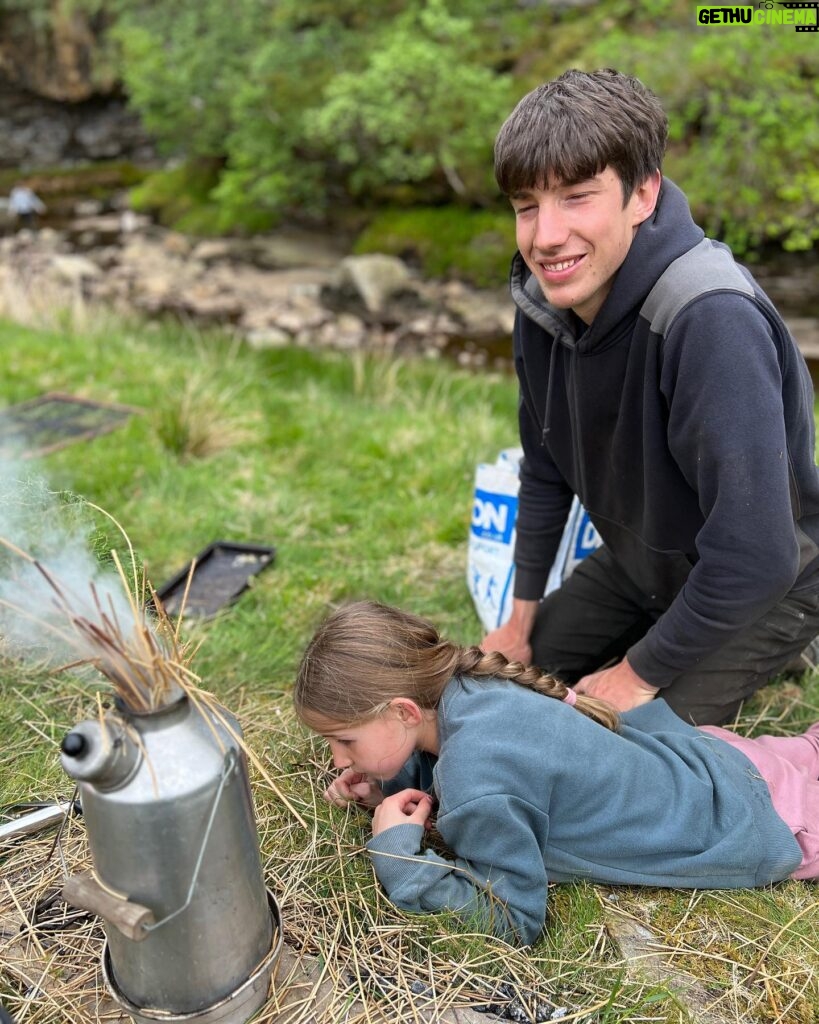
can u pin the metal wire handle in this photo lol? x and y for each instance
(228, 767)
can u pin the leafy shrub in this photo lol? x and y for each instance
(744, 137)
(310, 106)
(422, 108)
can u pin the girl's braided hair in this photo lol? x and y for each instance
(366, 654)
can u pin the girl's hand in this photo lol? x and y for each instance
(409, 807)
(353, 787)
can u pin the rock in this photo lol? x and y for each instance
(212, 250)
(806, 331)
(74, 269)
(369, 302)
(141, 252)
(295, 320)
(88, 208)
(48, 238)
(209, 303)
(58, 89)
(481, 313)
(177, 244)
(268, 337)
(109, 133)
(375, 278)
(290, 248)
(102, 223)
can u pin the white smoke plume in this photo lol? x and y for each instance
(49, 551)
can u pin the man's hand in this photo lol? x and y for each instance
(409, 807)
(512, 638)
(353, 787)
(619, 685)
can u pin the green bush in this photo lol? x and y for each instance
(744, 136)
(422, 109)
(311, 107)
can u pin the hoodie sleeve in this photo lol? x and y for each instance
(501, 887)
(726, 430)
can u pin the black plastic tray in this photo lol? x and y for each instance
(221, 572)
(54, 420)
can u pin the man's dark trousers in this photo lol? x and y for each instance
(598, 613)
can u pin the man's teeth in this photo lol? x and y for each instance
(563, 265)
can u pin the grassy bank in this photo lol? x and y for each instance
(359, 471)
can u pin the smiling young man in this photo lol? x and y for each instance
(659, 384)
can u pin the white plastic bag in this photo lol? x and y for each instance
(490, 570)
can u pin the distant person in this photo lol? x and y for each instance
(530, 782)
(659, 384)
(26, 206)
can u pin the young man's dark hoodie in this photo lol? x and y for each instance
(685, 426)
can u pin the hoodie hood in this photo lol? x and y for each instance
(668, 233)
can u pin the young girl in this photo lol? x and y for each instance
(530, 789)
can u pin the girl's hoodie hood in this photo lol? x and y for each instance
(662, 238)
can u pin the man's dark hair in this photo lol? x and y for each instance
(575, 126)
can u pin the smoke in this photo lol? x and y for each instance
(51, 563)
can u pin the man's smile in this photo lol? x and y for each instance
(561, 264)
(557, 270)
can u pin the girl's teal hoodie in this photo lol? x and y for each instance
(530, 791)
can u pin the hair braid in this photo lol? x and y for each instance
(366, 654)
(475, 662)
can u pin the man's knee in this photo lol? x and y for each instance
(701, 704)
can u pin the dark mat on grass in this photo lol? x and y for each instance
(54, 420)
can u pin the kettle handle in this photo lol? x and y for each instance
(86, 893)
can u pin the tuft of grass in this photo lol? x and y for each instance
(203, 418)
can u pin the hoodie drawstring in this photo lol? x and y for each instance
(547, 412)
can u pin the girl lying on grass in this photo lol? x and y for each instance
(527, 789)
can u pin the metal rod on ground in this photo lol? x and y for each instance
(35, 821)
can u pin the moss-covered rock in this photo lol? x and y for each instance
(447, 241)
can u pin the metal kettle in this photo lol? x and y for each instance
(192, 933)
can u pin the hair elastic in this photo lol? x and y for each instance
(571, 696)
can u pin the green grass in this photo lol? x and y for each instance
(359, 470)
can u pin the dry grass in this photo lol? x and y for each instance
(712, 956)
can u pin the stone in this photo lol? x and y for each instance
(372, 302)
(375, 278)
(74, 269)
(88, 208)
(287, 249)
(487, 313)
(267, 337)
(212, 250)
(177, 244)
(201, 300)
(295, 320)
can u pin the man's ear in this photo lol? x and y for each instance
(644, 197)
(406, 710)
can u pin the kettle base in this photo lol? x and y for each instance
(235, 1008)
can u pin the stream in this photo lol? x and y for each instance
(284, 265)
